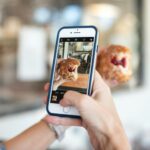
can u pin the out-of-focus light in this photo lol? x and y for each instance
(71, 14)
(105, 13)
(42, 15)
(104, 10)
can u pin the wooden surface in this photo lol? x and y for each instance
(81, 82)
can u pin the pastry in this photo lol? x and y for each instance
(67, 69)
(114, 63)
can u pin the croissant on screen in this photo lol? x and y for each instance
(67, 68)
(114, 63)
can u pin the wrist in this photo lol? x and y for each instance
(28, 138)
(118, 138)
(112, 135)
(50, 131)
(59, 130)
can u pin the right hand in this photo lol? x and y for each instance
(98, 115)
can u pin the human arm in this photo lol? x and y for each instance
(99, 117)
(37, 137)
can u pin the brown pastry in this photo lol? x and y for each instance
(114, 63)
(67, 69)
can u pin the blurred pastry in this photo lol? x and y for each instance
(114, 64)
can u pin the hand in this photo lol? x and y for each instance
(59, 120)
(98, 115)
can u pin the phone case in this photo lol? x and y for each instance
(92, 67)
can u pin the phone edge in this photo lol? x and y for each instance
(92, 68)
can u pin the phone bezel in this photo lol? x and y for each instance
(93, 61)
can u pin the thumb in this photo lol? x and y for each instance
(86, 106)
(78, 100)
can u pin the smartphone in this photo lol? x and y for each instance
(73, 66)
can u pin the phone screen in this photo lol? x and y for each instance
(72, 66)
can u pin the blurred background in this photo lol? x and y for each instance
(27, 38)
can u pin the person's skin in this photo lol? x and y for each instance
(98, 115)
(38, 137)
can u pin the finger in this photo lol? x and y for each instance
(63, 121)
(100, 91)
(98, 82)
(46, 86)
(112, 83)
(72, 98)
(85, 105)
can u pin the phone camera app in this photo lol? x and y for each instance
(73, 66)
